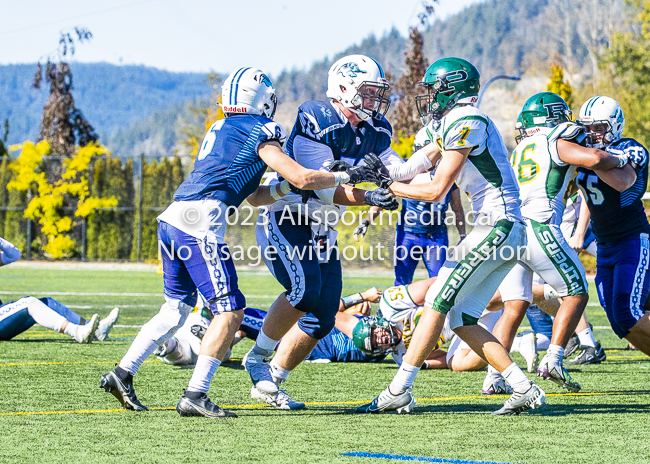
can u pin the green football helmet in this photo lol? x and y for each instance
(544, 109)
(375, 335)
(449, 81)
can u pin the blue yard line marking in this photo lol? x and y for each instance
(401, 457)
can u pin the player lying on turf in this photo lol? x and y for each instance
(182, 349)
(403, 305)
(234, 154)
(18, 316)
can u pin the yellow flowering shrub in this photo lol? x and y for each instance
(48, 199)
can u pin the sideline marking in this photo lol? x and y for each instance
(158, 294)
(401, 457)
(263, 405)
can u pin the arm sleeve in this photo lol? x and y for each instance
(317, 156)
(9, 253)
(406, 171)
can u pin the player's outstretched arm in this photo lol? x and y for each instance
(422, 160)
(590, 158)
(446, 173)
(8, 252)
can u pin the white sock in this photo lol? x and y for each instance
(542, 342)
(278, 372)
(493, 372)
(140, 349)
(587, 338)
(264, 345)
(516, 378)
(70, 329)
(46, 316)
(549, 292)
(403, 379)
(556, 352)
(205, 368)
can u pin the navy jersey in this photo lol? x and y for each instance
(322, 122)
(424, 217)
(616, 215)
(228, 167)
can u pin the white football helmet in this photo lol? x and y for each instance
(606, 111)
(358, 82)
(248, 91)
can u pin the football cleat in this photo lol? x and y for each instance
(520, 402)
(259, 369)
(572, 346)
(386, 401)
(557, 373)
(85, 333)
(122, 390)
(589, 355)
(200, 407)
(528, 349)
(495, 385)
(280, 400)
(106, 324)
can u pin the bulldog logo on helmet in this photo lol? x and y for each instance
(350, 70)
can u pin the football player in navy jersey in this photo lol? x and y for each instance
(421, 232)
(619, 222)
(344, 128)
(234, 155)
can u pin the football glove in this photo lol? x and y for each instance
(381, 197)
(358, 174)
(362, 229)
(378, 170)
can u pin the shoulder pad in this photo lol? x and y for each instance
(316, 118)
(572, 132)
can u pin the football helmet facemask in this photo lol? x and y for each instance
(603, 119)
(248, 91)
(359, 84)
(449, 81)
(375, 335)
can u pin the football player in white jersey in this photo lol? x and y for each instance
(545, 160)
(471, 153)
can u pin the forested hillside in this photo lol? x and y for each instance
(138, 109)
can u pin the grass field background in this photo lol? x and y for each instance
(52, 410)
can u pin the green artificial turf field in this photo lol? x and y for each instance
(52, 410)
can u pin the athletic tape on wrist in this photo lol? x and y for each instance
(283, 188)
(340, 178)
(351, 300)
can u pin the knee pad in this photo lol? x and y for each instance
(309, 301)
(317, 327)
(170, 318)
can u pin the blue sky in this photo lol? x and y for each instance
(203, 35)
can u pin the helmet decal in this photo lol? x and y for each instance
(454, 76)
(555, 110)
(265, 80)
(350, 70)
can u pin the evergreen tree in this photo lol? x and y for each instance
(94, 221)
(405, 119)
